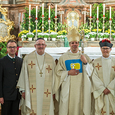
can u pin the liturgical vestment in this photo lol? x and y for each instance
(38, 87)
(104, 77)
(72, 93)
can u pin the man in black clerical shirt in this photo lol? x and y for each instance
(10, 67)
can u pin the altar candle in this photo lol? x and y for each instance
(42, 9)
(36, 12)
(110, 12)
(90, 10)
(103, 10)
(56, 11)
(29, 11)
(97, 12)
(49, 12)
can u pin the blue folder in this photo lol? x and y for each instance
(74, 64)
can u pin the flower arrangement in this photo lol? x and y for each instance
(106, 35)
(113, 35)
(48, 31)
(53, 35)
(100, 35)
(86, 31)
(40, 35)
(92, 34)
(63, 32)
(46, 35)
(34, 31)
(23, 37)
(30, 35)
(24, 32)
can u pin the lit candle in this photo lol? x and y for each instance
(36, 12)
(110, 12)
(90, 10)
(29, 11)
(56, 11)
(97, 12)
(49, 12)
(103, 10)
(43, 10)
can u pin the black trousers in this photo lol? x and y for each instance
(10, 107)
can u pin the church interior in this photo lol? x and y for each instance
(52, 20)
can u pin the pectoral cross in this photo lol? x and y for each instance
(40, 73)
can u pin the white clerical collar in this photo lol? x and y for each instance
(72, 52)
(40, 55)
(106, 58)
(11, 57)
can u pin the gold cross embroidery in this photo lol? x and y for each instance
(31, 64)
(47, 93)
(113, 67)
(98, 66)
(32, 88)
(103, 112)
(112, 113)
(33, 113)
(48, 68)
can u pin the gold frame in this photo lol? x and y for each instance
(9, 23)
(70, 28)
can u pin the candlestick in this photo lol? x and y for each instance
(55, 24)
(97, 28)
(90, 23)
(56, 11)
(36, 12)
(42, 9)
(103, 10)
(43, 24)
(103, 24)
(110, 21)
(90, 10)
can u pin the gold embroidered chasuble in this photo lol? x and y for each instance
(104, 104)
(71, 96)
(39, 95)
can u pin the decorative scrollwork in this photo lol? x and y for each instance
(5, 26)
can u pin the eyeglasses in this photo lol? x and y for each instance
(105, 48)
(10, 47)
(40, 44)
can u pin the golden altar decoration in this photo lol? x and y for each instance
(5, 26)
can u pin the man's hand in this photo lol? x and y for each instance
(106, 91)
(73, 72)
(2, 100)
(23, 95)
(83, 59)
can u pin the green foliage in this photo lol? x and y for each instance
(94, 16)
(25, 23)
(3, 49)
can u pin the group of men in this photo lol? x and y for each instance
(81, 86)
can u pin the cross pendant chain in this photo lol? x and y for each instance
(41, 73)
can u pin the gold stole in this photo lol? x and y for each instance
(47, 84)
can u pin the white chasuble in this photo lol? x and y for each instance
(104, 77)
(71, 96)
(40, 92)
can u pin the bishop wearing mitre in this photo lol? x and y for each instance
(73, 73)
